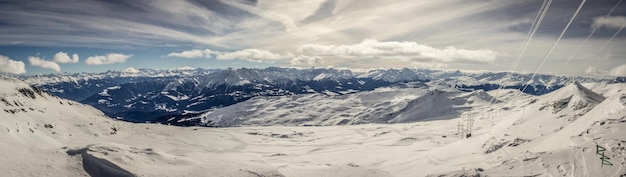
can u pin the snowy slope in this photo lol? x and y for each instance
(58, 137)
(43, 135)
(36, 126)
(383, 105)
(559, 131)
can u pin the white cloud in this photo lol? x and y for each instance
(619, 71)
(108, 59)
(369, 49)
(131, 70)
(306, 60)
(610, 21)
(256, 55)
(412, 51)
(429, 65)
(593, 71)
(63, 57)
(185, 68)
(191, 54)
(11, 66)
(36, 61)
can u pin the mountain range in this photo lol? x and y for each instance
(177, 96)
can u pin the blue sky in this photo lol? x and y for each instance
(139, 58)
(40, 37)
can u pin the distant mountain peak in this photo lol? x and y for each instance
(574, 96)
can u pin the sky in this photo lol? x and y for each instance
(58, 36)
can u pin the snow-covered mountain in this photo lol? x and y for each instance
(383, 105)
(169, 96)
(43, 135)
(561, 130)
(37, 128)
(574, 131)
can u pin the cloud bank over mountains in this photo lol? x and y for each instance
(368, 49)
(107, 59)
(255, 55)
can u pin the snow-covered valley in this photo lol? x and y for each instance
(556, 134)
